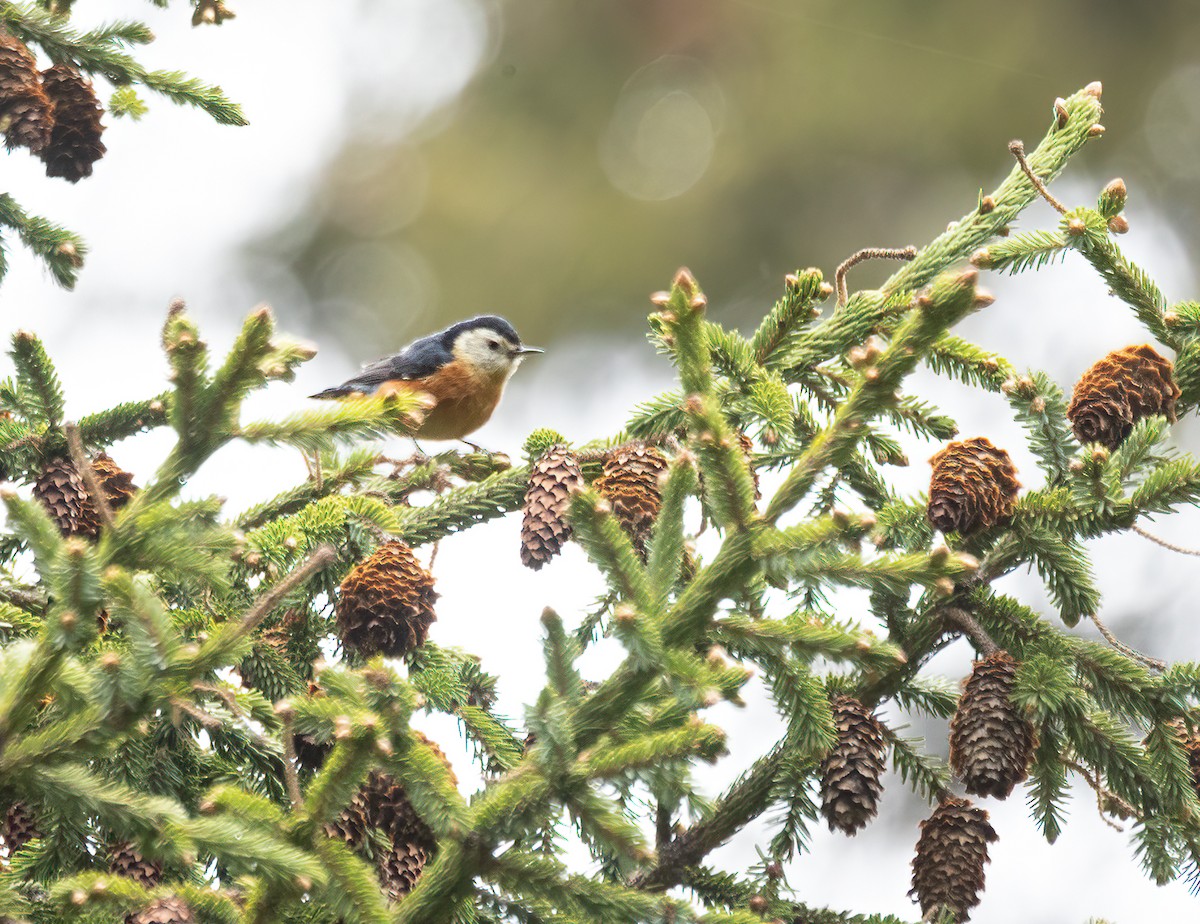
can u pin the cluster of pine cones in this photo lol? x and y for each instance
(974, 484)
(991, 746)
(382, 805)
(65, 495)
(630, 482)
(54, 113)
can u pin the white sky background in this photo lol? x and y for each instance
(177, 194)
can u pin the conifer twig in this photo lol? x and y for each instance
(88, 474)
(968, 626)
(1152, 663)
(321, 557)
(867, 253)
(1182, 550)
(1016, 147)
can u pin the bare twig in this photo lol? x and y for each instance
(868, 253)
(968, 626)
(289, 761)
(321, 557)
(1103, 794)
(1146, 660)
(1017, 149)
(84, 466)
(1182, 550)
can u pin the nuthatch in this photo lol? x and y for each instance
(463, 369)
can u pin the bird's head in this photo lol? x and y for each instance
(488, 344)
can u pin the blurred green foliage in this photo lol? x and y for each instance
(801, 132)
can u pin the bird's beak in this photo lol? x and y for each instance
(526, 350)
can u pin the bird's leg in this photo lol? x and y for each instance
(478, 448)
(422, 455)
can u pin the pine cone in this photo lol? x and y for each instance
(1190, 742)
(851, 771)
(386, 603)
(991, 741)
(20, 827)
(974, 486)
(26, 116)
(352, 824)
(126, 860)
(554, 477)
(168, 910)
(116, 483)
(400, 868)
(951, 852)
(75, 141)
(1118, 391)
(630, 482)
(390, 811)
(64, 495)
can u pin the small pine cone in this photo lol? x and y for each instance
(974, 486)
(951, 852)
(126, 860)
(1118, 391)
(75, 141)
(20, 827)
(390, 811)
(351, 825)
(386, 603)
(630, 481)
(400, 867)
(991, 741)
(851, 771)
(26, 115)
(168, 910)
(64, 495)
(1190, 742)
(116, 483)
(554, 478)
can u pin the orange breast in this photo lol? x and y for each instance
(464, 401)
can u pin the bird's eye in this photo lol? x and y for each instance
(494, 344)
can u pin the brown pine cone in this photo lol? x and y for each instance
(991, 741)
(26, 115)
(851, 771)
(1118, 391)
(20, 827)
(400, 868)
(116, 483)
(126, 860)
(168, 910)
(352, 824)
(75, 143)
(974, 486)
(951, 852)
(386, 603)
(390, 811)
(555, 476)
(63, 493)
(631, 483)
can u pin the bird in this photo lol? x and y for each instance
(463, 368)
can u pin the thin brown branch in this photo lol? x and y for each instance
(1182, 550)
(1017, 149)
(84, 466)
(968, 626)
(867, 253)
(1152, 663)
(1103, 795)
(321, 557)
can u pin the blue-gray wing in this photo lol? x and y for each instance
(417, 360)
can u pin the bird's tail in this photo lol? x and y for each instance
(338, 391)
